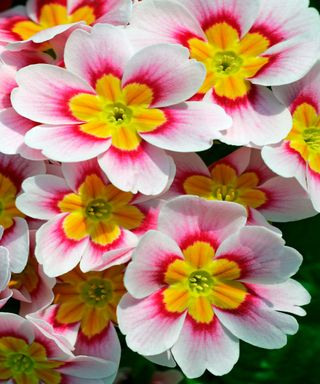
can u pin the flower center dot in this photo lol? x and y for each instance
(97, 292)
(119, 114)
(227, 63)
(18, 362)
(311, 137)
(225, 193)
(200, 281)
(98, 209)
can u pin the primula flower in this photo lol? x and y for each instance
(31, 287)
(124, 109)
(13, 170)
(203, 281)
(84, 312)
(298, 155)
(27, 355)
(242, 177)
(89, 219)
(245, 45)
(41, 20)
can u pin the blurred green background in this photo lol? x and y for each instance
(299, 361)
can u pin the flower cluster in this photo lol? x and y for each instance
(108, 217)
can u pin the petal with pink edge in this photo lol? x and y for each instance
(149, 328)
(261, 255)
(285, 161)
(190, 126)
(286, 297)
(289, 61)
(240, 14)
(207, 346)
(41, 196)
(270, 121)
(146, 169)
(107, 50)
(159, 21)
(65, 143)
(150, 259)
(313, 183)
(116, 12)
(105, 345)
(16, 240)
(287, 19)
(13, 128)
(258, 324)
(167, 70)
(287, 200)
(185, 217)
(44, 91)
(57, 253)
(4, 268)
(97, 257)
(64, 335)
(8, 82)
(75, 173)
(255, 218)
(14, 325)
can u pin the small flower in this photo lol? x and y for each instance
(29, 356)
(203, 281)
(245, 46)
(89, 219)
(242, 177)
(124, 108)
(298, 155)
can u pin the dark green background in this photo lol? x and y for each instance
(299, 361)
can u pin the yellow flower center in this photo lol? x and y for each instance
(225, 184)
(99, 210)
(89, 298)
(305, 134)
(8, 209)
(97, 292)
(230, 60)
(200, 282)
(24, 363)
(117, 113)
(52, 15)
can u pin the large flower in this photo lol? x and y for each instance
(125, 109)
(242, 177)
(41, 20)
(203, 281)
(27, 355)
(298, 155)
(245, 45)
(13, 170)
(84, 312)
(89, 219)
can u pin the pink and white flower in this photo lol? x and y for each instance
(89, 220)
(245, 46)
(242, 177)
(126, 109)
(204, 280)
(298, 155)
(13, 170)
(42, 20)
(29, 356)
(5, 273)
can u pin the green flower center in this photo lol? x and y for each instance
(311, 137)
(225, 193)
(97, 292)
(118, 114)
(20, 363)
(227, 63)
(98, 209)
(200, 282)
